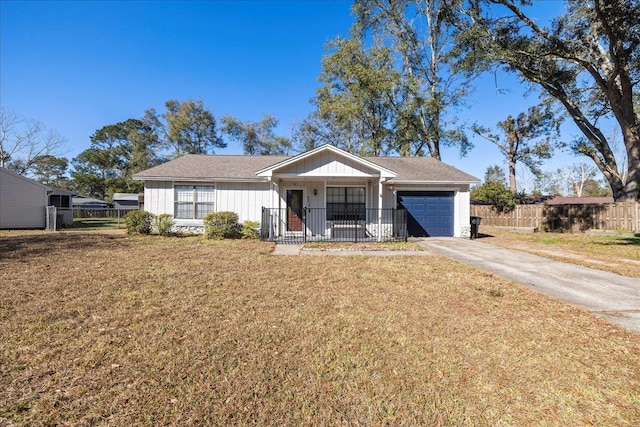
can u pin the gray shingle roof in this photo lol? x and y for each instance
(422, 169)
(199, 166)
(237, 167)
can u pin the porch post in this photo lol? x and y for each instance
(380, 209)
(270, 210)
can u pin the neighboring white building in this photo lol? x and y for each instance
(23, 201)
(317, 194)
(125, 201)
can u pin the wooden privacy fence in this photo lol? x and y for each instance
(99, 213)
(573, 217)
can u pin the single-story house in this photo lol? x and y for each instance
(322, 194)
(125, 201)
(84, 202)
(23, 201)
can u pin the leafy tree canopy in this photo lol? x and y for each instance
(527, 139)
(356, 96)
(495, 174)
(50, 170)
(256, 138)
(496, 194)
(117, 152)
(185, 128)
(388, 87)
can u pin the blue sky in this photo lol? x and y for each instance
(79, 65)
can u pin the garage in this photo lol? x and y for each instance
(429, 213)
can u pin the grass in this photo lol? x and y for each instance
(107, 329)
(617, 253)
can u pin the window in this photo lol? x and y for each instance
(345, 203)
(193, 201)
(61, 202)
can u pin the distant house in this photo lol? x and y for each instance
(125, 201)
(23, 201)
(323, 194)
(84, 202)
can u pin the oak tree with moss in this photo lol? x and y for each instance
(587, 60)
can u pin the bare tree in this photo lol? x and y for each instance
(578, 175)
(22, 141)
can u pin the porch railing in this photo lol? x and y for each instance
(318, 225)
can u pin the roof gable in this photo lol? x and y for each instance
(24, 178)
(327, 161)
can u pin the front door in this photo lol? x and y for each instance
(294, 210)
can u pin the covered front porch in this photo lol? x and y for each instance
(327, 194)
(290, 225)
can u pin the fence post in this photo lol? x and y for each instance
(304, 225)
(51, 214)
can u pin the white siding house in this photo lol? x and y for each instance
(315, 194)
(23, 201)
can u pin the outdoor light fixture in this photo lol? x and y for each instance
(315, 191)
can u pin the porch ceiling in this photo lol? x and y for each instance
(333, 178)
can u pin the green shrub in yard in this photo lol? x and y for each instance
(138, 222)
(250, 229)
(222, 225)
(162, 224)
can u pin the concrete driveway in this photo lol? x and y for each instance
(608, 295)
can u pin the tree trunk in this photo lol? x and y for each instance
(512, 177)
(629, 191)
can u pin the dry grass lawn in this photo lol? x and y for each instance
(105, 329)
(617, 253)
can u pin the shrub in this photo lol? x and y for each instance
(138, 222)
(222, 225)
(163, 223)
(497, 194)
(250, 229)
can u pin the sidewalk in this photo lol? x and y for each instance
(299, 250)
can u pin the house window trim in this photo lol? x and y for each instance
(364, 187)
(194, 202)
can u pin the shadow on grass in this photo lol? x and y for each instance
(621, 241)
(23, 246)
(93, 223)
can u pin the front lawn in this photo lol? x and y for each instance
(103, 328)
(618, 252)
